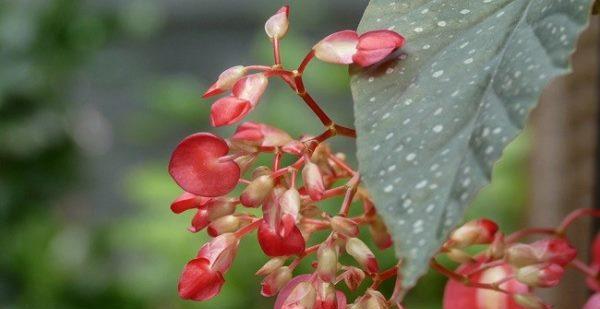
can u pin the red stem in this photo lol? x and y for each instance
(247, 229)
(527, 232)
(350, 192)
(276, 53)
(574, 216)
(305, 61)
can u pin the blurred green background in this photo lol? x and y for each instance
(93, 97)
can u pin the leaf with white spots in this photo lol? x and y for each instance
(432, 120)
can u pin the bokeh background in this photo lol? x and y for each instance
(93, 97)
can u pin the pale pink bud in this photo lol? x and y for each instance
(344, 226)
(497, 248)
(530, 301)
(251, 88)
(303, 296)
(200, 220)
(220, 251)
(218, 208)
(313, 181)
(459, 256)
(337, 48)
(275, 281)
(261, 135)
(371, 300)
(294, 147)
(226, 80)
(374, 46)
(290, 202)
(226, 224)
(554, 250)
(541, 275)
(257, 191)
(270, 266)
(475, 232)
(326, 296)
(244, 162)
(380, 234)
(228, 110)
(327, 260)
(353, 277)
(362, 254)
(277, 26)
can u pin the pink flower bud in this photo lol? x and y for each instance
(497, 248)
(362, 254)
(261, 135)
(226, 80)
(294, 147)
(303, 296)
(270, 266)
(372, 299)
(220, 251)
(199, 282)
(327, 259)
(220, 207)
(530, 301)
(459, 256)
(540, 275)
(226, 224)
(200, 220)
(593, 302)
(326, 296)
(344, 226)
(337, 48)
(475, 232)
(554, 250)
(245, 161)
(290, 203)
(251, 88)
(353, 277)
(374, 46)
(188, 201)
(275, 281)
(277, 25)
(228, 110)
(459, 296)
(274, 244)
(195, 166)
(380, 234)
(256, 192)
(313, 181)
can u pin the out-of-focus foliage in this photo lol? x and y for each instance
(93, 96)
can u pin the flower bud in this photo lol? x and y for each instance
(270, 266)
(290, 202)
(337, 48)
(303, 296)
(540, 275)
(459, 256)
(276, 26)
(294, 147)
(218, 208)
(380, 234)
(327, 260)
(475, 232)
(554, 250)
(362, 254)
(188, 201)
(226, 80)
(353, 277)
(344, 226)
(245, 161)
(251, 88)
(227, 224)
(374, 46)
(200, 220)
(261, 135)
(313, 181)
(529, 301)
(497, 248)
(257, 191)
(371, 300)
(229, 110)
(275, 281)
(220, 251)
(326, 296)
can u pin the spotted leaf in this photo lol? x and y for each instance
(434, 118)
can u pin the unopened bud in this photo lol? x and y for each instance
(313, 181)
(380, 234)
(371, 300)
(290, 202)
(353, 277)
(303, 296)
(459, 256)
(362, 254)
(270, 266)
(327, 259)
(529, 301)
(326, 296)
(200, 220)
(276, 27)
(226, 80)
(250, 88)
(219, 208)
(540, 275)
(475, 232)
(344, 226)
(244, 162)
(497, 248)
(275, 281)
(554, 250)
(257, 191)
(261, 171)
(226, 224)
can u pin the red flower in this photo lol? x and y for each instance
(228, 110)
(195, 166)
(202, 277)
(553, 250)
(273, 243)
(459, 296)
(188, 201)
(474, 232)
(260, 134)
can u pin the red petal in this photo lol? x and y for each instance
(187, 201)
(273, 244)
(228, 110)
(285, 291)
(199, 282)
(251, 88)
(196, 168)
(200, 221)
(338, 47)
(374, 46)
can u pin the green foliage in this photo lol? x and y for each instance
(432, 122)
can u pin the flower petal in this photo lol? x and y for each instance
(338, 47)
(199, 282)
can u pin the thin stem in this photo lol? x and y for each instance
(485, 266)
(341, 164)
(527, 232)
(248, 228)
(305, 61)
(573, 216)
(584, 268)
(352, 186)
(258, 67)
(277, 160)
(276, 53)
(384, 275)
(463, 279)
(344, 131)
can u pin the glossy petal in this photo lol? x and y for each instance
(251, 88)
(374, 46)
(273, 244)
(260, 134)
(196, 168)
(228, 110)
(187, 201)
(338, 47)
(277, 25)
(199, 282)
(226, 80)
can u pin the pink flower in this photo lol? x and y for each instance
(202, 277)
(475, 232)
(273, 243)
(300, 297)
(228, 110)
(260, 134)
(251, 88)
(226, 80)
(346, 47)
(313, 181)
(275, 281)
(553, 250)
(188, 201)
(196, 166)
(459, 296)
(277, 25)
(362, 254)
(540, 275)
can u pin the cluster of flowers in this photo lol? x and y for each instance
(208, 168)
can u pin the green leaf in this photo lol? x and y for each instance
(432, 122)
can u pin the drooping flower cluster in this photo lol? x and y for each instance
(209, 168)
